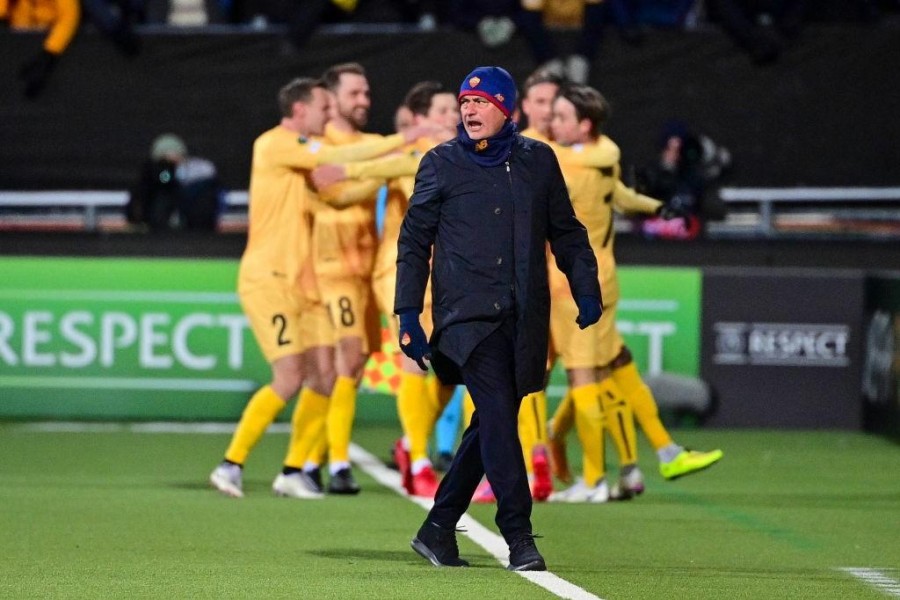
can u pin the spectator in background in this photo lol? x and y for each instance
(59, 18)
(679, 176)
(302, 17)
(761, 27)
(631, 15)
(496, 20)
(425, 13)
(175, 190)
(116, 19)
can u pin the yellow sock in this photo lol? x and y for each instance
(318, 451)
(540, 409)
(619, 420)
(307, 427)
(259, 413)
(440, 393)
(341, 411)
(563, 417)
(418, 413)
(589, 427)
(643, 405)
(468, 409)
(528, 428)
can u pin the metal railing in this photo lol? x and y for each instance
(752, 212)
(772, 212)
(81, 209)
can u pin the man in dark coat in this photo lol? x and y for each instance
(487, 202)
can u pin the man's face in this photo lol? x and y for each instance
(353, 99)
(538, 106)
(567, 129)
(316, 112)
(444, 111)
(480, 117)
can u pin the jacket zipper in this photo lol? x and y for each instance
(513, 288)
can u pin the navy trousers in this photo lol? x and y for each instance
(490, 445)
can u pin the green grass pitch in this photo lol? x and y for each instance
(119, 514)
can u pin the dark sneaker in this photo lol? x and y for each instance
(524, 555)
(438, 546)
(315, 476)
(342, 482)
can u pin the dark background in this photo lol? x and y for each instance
(824, 115)
(801, 396)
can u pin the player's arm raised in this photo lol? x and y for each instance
(348, 193)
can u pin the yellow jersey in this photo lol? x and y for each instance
(345, 237)
(281, 204)
(596, 193)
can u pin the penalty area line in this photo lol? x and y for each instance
(493, 543)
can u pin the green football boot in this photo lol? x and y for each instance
(687, 462)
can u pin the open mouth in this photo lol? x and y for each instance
(474, 124)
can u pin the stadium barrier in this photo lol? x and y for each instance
(833, 211)
(90, 210)
(881, 360)
(782, 348)
(142, 339)
(753, 212)
(150, 339)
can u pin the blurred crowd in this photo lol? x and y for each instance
(762, 28)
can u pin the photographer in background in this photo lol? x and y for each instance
(679, 176)
(175, 190)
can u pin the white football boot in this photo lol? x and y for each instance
(297, 485)
(227, 479)
(580, 492)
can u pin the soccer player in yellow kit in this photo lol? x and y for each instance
(343, 249)
(276, 283)
(419, 404)
(605, 384)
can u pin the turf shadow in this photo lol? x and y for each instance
(407, 556)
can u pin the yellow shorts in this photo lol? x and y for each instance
(595, 346)
(351, 310)
(277, 317)
(317, 327)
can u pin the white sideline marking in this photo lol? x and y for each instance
(875, 578)
(478, 533)
(493, 543)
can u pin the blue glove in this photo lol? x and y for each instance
(589, 310)
(413, 341)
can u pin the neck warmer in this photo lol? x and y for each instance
(492, 151)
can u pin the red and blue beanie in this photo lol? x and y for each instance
(494, 84)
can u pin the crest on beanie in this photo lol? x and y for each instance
(474, 81)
